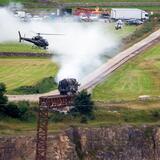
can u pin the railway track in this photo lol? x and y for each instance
(105, 70)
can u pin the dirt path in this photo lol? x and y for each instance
(30, 97)
(105, 70)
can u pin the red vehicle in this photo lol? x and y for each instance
(88, 11)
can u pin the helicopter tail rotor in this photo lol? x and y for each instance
(20, 37)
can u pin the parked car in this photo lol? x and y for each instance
(134, 22)
(105, 16)
(84, 17)
(37, 18)
(94, 17)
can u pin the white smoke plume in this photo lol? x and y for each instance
(78, 52)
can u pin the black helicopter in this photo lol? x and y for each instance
(38, 40)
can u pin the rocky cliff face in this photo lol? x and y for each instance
(105, 143)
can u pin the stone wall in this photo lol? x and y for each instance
(24, 54)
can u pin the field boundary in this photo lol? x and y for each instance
(107, 4)
(24, 54)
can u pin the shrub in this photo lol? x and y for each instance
(83, 104)
(29, 116)
(156, 114)
(83, 119)
(3, 98)
(23, 107)
(2, 88)
(25, 111)
(57, 117)
(12, 110)
(20, 110)
(42, 86)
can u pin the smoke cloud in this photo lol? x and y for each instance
(78, 52)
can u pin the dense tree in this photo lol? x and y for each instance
(83, 104)
(83, 119)
(11, 109)
(3, 98)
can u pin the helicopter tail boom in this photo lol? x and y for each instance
(20, 37)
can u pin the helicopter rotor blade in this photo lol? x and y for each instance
(49, 34)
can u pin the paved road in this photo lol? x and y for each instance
(105, 70)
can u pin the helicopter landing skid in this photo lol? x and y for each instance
(35, 47)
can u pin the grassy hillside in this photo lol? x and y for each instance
(16, 72)
(139, 76)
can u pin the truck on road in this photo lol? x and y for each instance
(128, 13)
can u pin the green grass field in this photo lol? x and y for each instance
(16, 72)
(3, 2)
(30, 2)
(6, 1)
(17, 47)
(139, 76)
(125, 31)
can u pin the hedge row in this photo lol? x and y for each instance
(45, 85)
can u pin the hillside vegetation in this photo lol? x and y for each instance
(139, 76)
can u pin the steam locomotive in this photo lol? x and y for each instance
(68, 86)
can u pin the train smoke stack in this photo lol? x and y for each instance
(68, 86)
